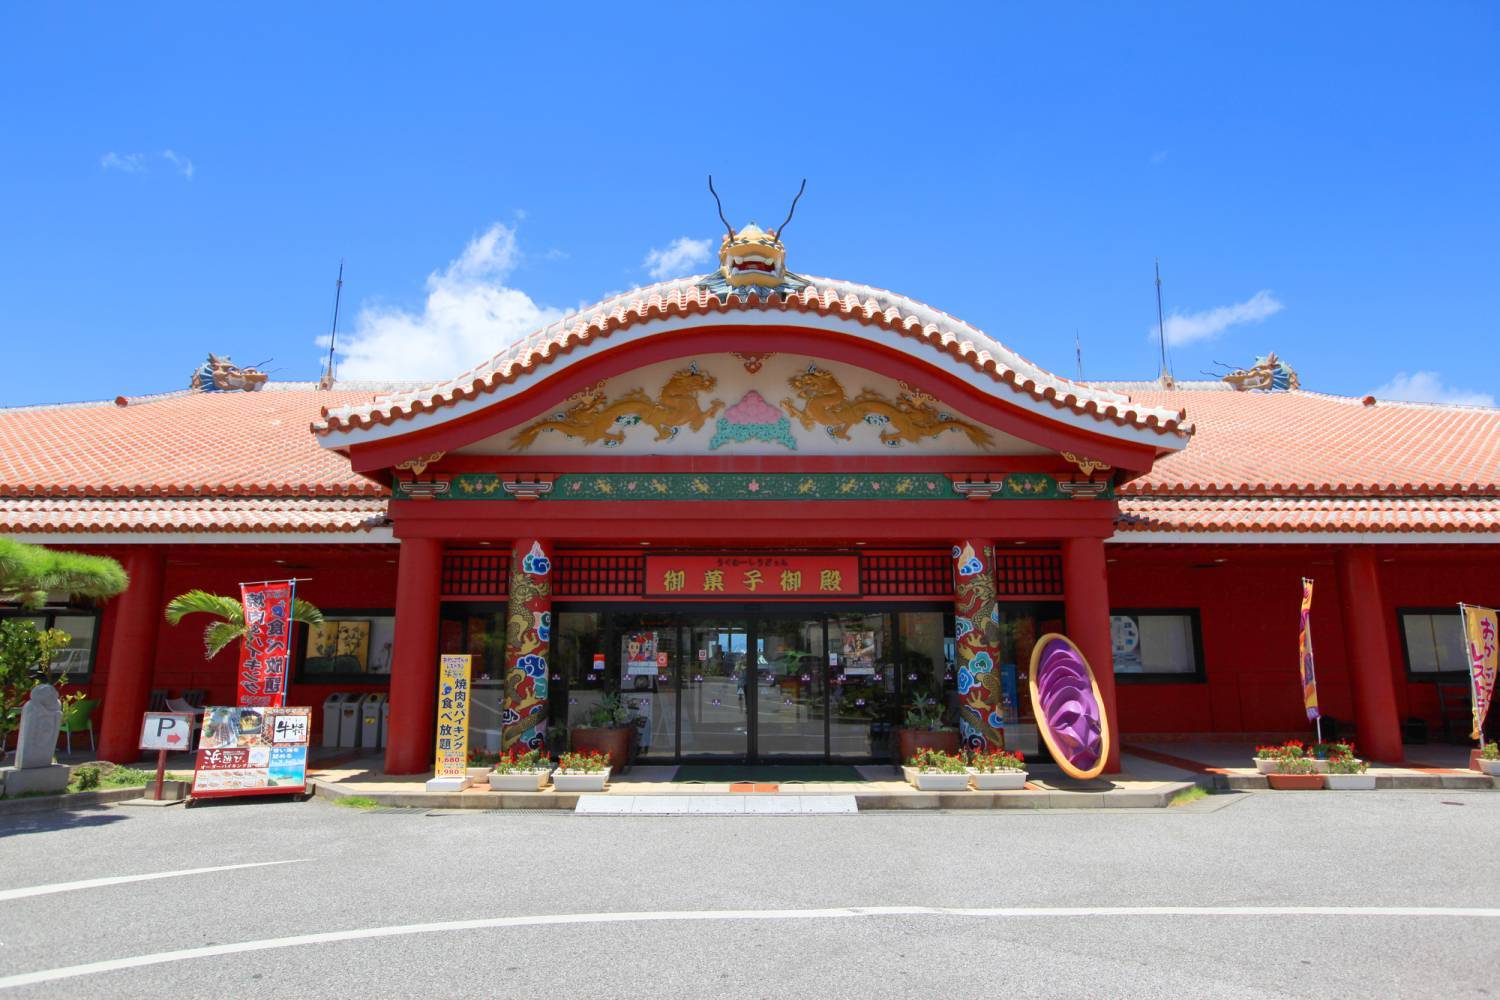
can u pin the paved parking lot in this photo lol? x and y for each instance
(1260, 894)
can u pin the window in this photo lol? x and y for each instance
(348, 646)
(1434, 642)
(76, 659)
(1159, 645)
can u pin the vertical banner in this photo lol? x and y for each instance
(1305, 653)
(1480, 629)
(452, 758)
(266, 647)
(528, 637)
(976, 625)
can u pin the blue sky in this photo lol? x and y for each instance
(1317, 179)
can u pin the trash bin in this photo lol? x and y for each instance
(371, 726)
(385, 720)
(331, 710)
(349, 718)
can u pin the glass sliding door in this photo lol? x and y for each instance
(716, 696)
(789, 688)
(862, 702)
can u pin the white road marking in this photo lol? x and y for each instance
(661, 916)
(94, 883)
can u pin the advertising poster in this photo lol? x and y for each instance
(858, 652)
(452, 759)
(266, 647)
(252, 751)
(640, 654)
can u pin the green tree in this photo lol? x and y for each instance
(25, 653)
(231, 615)
(28, 573)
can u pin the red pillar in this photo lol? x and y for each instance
(1371, 672)
(409, 745)
(1086, 593)
(137, 615)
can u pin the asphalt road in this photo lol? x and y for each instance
(639, 889)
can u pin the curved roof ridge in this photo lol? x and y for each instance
(897, 313)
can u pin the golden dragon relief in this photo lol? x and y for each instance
(910, 417)
(593, 418)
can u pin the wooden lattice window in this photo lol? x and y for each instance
(1028, 574)
(589, 575)
(915, 574)
(475, 574)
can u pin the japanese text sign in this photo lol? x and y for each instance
(266, 647)
(252, 751)
(452, 758)
(766, 576)
(167, 731)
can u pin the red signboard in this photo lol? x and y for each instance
(752, 576)
(266, 648)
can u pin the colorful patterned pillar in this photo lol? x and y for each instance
(977, 634)
(528, 634)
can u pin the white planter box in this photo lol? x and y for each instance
(478, 773)
(936, 781)
(1265, 765)
(1490, 767)
(1321, 765)
(998, 781)
(909, 774)
(577, 781)
(1349, 782)
(519, 781)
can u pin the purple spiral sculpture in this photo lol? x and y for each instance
(1066, 702)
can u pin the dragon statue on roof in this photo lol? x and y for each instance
(753, 260)
(1268, 374)
(220, 374)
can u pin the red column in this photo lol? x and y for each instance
(1086, 592)
(1371, 672)
(137, 615)
(409, 743)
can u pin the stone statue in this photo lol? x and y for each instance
(41, 718)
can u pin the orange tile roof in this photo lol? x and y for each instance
(1364, 515)
(924, 326)
(1300, 443)
(99, 515)
(183, 443)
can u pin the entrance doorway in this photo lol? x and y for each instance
(750, 684)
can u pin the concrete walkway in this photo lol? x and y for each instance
(1230, 764)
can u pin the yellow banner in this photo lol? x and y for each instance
(452, 717)
(1481, 626)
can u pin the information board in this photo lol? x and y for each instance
(452, 758)
(252, 751)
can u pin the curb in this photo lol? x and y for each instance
(1401, 782)
(68, 800)
(1157, 798)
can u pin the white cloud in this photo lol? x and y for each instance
(1186, 328)
(130, 163)
(1159, 157)
(469, 316)
(1429, 387)
(681, 254)
(182, 163)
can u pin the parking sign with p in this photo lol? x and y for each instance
(167, 731)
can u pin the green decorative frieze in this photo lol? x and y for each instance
(754, 486)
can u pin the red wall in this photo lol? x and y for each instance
(342, 576)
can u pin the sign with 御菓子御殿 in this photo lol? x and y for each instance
(752, 575)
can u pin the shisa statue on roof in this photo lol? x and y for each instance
(1268, 373)
(220, 374)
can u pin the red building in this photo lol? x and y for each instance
(749, 493)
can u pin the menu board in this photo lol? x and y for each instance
(252, 751)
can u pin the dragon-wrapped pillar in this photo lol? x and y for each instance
(977, 636)
(528, 636)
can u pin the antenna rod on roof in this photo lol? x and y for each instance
(1164, 375)
(1078, 353)
(338, 293)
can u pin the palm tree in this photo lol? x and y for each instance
(231, 615)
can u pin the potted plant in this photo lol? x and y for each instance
(481, 762)
(997, 770)
(936, 771)
(924, 728)
(1321, 754)
(520, 770)
(581, 772)
(1346, 773)
(1295, 773)
(1266, 758)
(1489, 759)
(607, 730)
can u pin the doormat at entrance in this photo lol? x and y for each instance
(767, 773)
